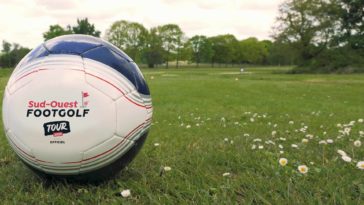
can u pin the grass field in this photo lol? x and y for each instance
(207, 122)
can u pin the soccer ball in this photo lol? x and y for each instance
(76, 107)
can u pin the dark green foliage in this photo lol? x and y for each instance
(83, 27)
(54, 31)
(327, 36)
(171, 37)
(153, 53)
(253, 51)
(11, 54)
(200, 48)
(224, 48)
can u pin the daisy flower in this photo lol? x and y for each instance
(283, 162)
(357, 143)
(226, 174)
(303, 169)
(341, 152)
(322, 142)
(125, 193)
(360, 165)
(167, 169)
(346, 158)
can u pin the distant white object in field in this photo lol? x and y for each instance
(241, 70)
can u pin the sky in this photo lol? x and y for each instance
(24, 21)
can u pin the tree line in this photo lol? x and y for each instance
(163, 44)
(160, 45)
(314, 35)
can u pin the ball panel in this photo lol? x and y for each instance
(130, 114)
(120, 64)
(72, 44)
(23, 151)
(5, 113)
(106, 153)
(106, 79)
(22, 75)
(140, 83)
(38, 52)
(17, 83)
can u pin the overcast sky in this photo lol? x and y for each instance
(24, 21)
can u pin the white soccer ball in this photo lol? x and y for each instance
(76, 107)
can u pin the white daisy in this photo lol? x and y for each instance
(341, 152)
(360, 165)
(125, 193)
(283, 162)
(226, 174)
(346, 158)
(303, 169)
(294, 145)
(167, 169)
(357, 143)
(322, 142)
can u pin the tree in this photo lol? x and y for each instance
(171, 36)
(351, 17)
(201, 49)
(54, 31)
(253, 51)
(128, 36)
(327, 35)
(153, 53)
(12, 54)
(84, 27)
(282, 54)
(306, 25)
(6, 46)
(224, 48)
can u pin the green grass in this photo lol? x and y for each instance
(199, 155)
